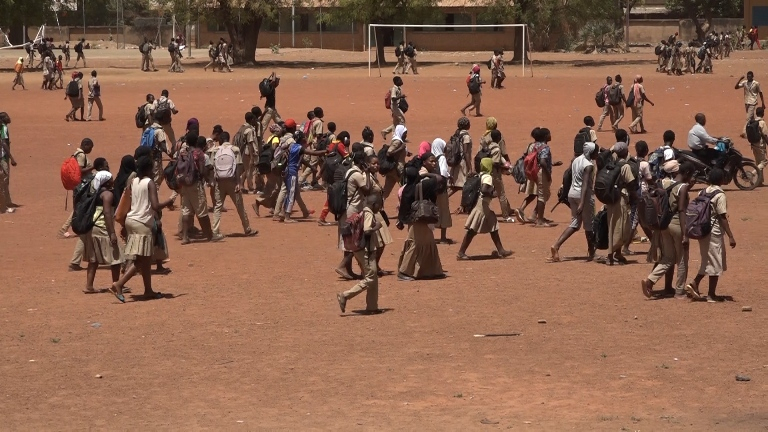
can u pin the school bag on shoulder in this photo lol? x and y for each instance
(655, 163)
(141, 117)
(600, 228)
(337, 196)
(631, 97)
(600, 98)
(403, 105)
(352, 233)
(482, 153)
(171, 48)
(70, 173)
(323, 141)
(454, 151)
(409, 51)
(386, 163)
(186, 168)
(83, 219)
(474, 84)
(562, 193)
(332, 161)
(148, 138)
(518, 170)
(265, 88)
(531, 163)
(266, 156)
(79, 48)
(754, 135)
(698, 215)
(388, 99)
(607, 183)
(169, 173)
(470, 193)
(654, 211)
(239, 140)
(581, 138)
(398, 51)
(163, 112)
(224, 163)
(73, 89)
(614, 95)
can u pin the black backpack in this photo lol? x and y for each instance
(73, 90)
(754, 135)
(337, 196)
(79, 48)
(163, 112)
(409, 51)
(454, 150)
(332, 161)
(562, 193)
(658, 50)
(654, 211)
(607, 188)
(386, 163)
(474, 84)
(398, 51)
(482, 153)
(171, 48)
(403, 105)
(470, 193)
(169, 173)
(265, 88)
(141, 117)
(322, 142)
(600, 228)
(266, 155)
(600, 98)
(581, 138)
(85, 210)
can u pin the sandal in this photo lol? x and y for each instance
(344, 275)
(119, 296)
(462, 257)
(693, 289)
(157, 295)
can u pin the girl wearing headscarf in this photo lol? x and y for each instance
(19, 78)
(424, 148)
(670, 247)
(581, 200)
(383, 236)
(482, 220)
(127, 167)
(274, 180)
(101, 246)
(444, 208)
(464, 169)
(140, 224)
(497, 150)
(397, 151)
(420, 258)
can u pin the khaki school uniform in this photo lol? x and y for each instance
(193, 201)
(712, 247)
(312, 162)
(225, 187)
(93, 98)
(482, 220)
(398, 118)
(619, 226)
(77, 102)
(758, 150)
(751, 92)
(98, 248)
(618, 110)
(78, 254)
(356, 180)
(157, 156)
(667, 245)
(637, 108)
(498, 182)
(250, 155)
(398, 150)
(460, 172)
(167, 127)
(366, 257)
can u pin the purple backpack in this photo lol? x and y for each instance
(698, 215)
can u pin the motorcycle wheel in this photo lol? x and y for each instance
(748, 176)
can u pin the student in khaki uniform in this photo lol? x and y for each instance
(193, 201)
(619, 223)
(258, 177)
(751, 92)
(366, 257)
(94, 96)
(99, 165)
(607, 108)
(274, 178)
(759, 149)
(147, 107)
(312, 163)
(400, 55)
(712, 247)
(270, 108)
(162, 146)
(398, 151)
(619, 109)
(637, 107)
(398, 118)
(544, 184)
(497, 156)
(249, 152)
(77, 102)
(465, 169)
(229, 184)
(6, 205)
(166, 123)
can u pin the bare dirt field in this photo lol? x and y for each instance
(252, 338)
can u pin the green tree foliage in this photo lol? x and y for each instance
(384, 12)
(15, 14)
(701, 12)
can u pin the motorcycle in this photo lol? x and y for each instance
(742, 171)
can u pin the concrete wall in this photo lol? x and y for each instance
(651, 31)
(93, 35)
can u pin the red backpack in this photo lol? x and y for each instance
(388, 99)
(531, 163)
(70, 173)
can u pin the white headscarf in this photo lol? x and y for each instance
(669, 154)
(399, 131)
(589, 148)
(438, 149)
(100, 178)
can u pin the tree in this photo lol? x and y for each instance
(701, 12)
(19, 13)
(383, 12)
(242, 19)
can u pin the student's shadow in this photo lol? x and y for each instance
(363, 312)
(491, 256)
(165, 296)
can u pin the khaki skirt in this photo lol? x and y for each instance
(458, 175)
(383, 236)
(420, 258)
(482, 220)
(712, 249)
(98, 248)
(140, 240)
(443, 211)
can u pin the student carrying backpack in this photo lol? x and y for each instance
(163, 111)
(582, 137)
(474, 84)
(607, 188)
(386, 163)
(186, 167)
(337, 195)
(84, 217)
(73, 89)
(79, 47)
(531, 163)
(239, 139)
(410, 51)
(141, 117)
(614, 95)
(454, 150)
(754, 134)
(70, 172)
(470, 193)
(398, 51)
(698, 215)
(225, 163)
(654, 211)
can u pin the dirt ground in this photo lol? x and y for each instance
(252, 338)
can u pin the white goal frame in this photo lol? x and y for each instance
(40, 36)
(405, 38)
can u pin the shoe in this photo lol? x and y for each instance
(404, 278)
(342, 302)
(508, 219)
(75, 267)
(251, 232)
(217, 238)
(325, 223)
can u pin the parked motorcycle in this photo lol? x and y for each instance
(743, 171)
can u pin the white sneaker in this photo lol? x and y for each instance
(11, 210)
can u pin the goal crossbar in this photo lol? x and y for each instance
(372, 27)
(40, 36)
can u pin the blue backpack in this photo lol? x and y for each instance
(148, 138)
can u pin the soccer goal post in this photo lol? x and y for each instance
(372, 30)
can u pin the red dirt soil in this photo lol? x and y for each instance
(252, 338)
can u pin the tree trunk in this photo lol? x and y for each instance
(379, 32)
(699, 28)
(16, 34)
(244, 35)
(626, 23)
(518, 57)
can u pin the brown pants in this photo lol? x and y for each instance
(393, 178)
(226, 188)
(270, 114)
(370, 282)
(5, 192)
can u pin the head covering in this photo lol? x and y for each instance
(275, 129)
(424, 148)
(490, 124)
(486, 165)
(399, 131)
(100, 178)
(411, 175)
(669, 154)
(127, 167)
(589, 148)
(193, 124)
(476, 69)
(21, 60)
(290, 124)
(438, 147)
(141, 151)
(620, 146)
(671, 167)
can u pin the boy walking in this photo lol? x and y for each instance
(80, 53)
(751, 92)
(94, 96)
(366, 257)
(6, 205)
(228, 166)
(400, 59)
(398, 118)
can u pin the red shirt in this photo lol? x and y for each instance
(339, 147)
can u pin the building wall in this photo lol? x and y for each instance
(756, 13)
(651, 31)
(93, 35)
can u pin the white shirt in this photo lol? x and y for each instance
(698, 138)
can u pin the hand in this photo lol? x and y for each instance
(732, 242)
(400, 225)
(237, 189)
(113, 238)
(579, 209)
(652, 104)
(685, 241)
(13, 162)
(409, 154)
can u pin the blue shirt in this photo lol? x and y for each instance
(294, 160)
